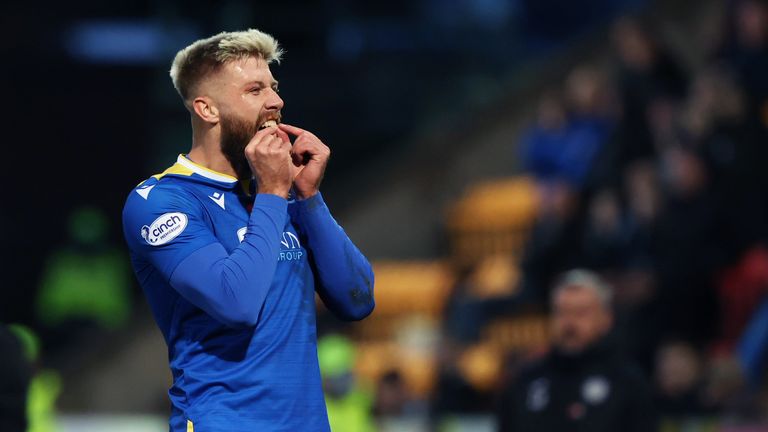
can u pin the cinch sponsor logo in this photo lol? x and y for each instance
(164, 229)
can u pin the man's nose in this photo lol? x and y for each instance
(274, 102)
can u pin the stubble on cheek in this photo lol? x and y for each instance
(235, 136)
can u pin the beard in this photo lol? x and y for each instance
(236, 133)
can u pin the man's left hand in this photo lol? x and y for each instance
(310, 156)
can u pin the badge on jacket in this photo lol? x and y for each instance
(595, 390)
(538, 394)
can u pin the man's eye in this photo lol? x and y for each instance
(256, 90)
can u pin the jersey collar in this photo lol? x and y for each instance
(200, 170)
(184, 167)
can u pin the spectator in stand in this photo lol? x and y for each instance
(553, 247)
(393, 399)
(542, 143)
(454, 392)
(685, 248)
(643, 201)
(560, 148)
(679, 380)
(646, 71)
(584, 383)
(605, 234)
(733, 149)
(752, 350)
(727, 392)
(742, 288)
(636, 280)
(745, 47)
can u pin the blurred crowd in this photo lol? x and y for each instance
(649, 171)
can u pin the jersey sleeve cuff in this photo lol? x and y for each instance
(311, 205)
(271, 201)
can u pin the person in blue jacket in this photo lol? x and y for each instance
(231, 243)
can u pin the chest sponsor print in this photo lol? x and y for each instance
(290, 245)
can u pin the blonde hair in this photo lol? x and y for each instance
(204, 56)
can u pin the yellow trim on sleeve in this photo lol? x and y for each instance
(190, 426)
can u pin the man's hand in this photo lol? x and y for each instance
(270, 159)
(310, 156)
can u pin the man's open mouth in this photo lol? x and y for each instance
(268, 123)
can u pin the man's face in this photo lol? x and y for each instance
(579, 319)
(246, 95)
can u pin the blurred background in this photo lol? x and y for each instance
(480, 149)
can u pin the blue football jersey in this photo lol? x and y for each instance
(231, 281)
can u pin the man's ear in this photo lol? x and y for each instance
(205, 109)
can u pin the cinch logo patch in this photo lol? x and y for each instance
(164, 229)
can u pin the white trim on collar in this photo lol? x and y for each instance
(205, 172)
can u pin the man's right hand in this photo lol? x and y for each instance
(270, 160)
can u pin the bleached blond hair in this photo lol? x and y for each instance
(205, 56)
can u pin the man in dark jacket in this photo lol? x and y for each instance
(583, 384)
